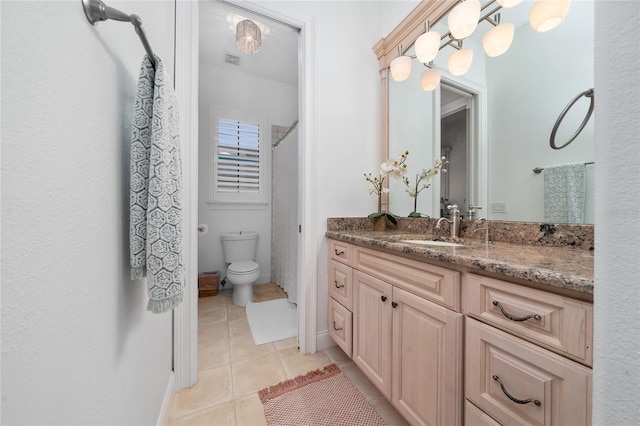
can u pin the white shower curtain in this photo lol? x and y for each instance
(285, 214)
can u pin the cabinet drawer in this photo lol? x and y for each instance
(432, 282)
(558, 323)
(341, 326)
(473, 416)
(340, 283)
(498, 364)
(340, 251)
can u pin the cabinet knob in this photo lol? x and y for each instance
(383, 298)
(511, 317)
(338, 286)
(339, 252)
(516, 400)
(336, 328)
(394, 304)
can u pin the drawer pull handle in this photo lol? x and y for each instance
(339, 252)
(394, 304)
(511, 317)
(336, 328)
(516, 400)
(383, 298)
(338, 286)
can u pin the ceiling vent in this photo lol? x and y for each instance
(231, 59)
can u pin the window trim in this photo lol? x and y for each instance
(229, 200)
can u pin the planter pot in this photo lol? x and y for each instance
(379, 223)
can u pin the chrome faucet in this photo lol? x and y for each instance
(454, 222)
(483, 228)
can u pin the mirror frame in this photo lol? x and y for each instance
(386, 50)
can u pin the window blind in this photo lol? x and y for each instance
(238, 156)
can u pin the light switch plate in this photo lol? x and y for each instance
(499, 207)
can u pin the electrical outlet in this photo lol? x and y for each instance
(499, 207)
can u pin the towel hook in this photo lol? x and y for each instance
(552, 140)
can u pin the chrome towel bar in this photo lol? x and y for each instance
(538, 170)
(96, 11)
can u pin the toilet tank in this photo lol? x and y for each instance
(239, 246)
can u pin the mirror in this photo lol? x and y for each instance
(504, 108)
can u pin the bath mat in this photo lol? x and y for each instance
(321, 397)
(272, 320)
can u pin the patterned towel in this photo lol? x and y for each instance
(155, 228)
(564, 193)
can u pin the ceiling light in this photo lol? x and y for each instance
(545, 15)
(430, 79)
(248, 37)
(460, 61)
(401, 68)
(498, 39)
(463, 19)
(508, 3)
(427, 46)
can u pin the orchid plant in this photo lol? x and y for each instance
(421, 183)
(394, 167)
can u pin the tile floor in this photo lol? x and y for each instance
(232, 369)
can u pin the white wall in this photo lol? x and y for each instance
(277, 103)
(78, 346)
(617, 270)
(521, 116)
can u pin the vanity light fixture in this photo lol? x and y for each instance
(427, 45)
(463, 19)
(545, 15)
(499, 38)
(509, 3)
(430, 79)
(401, 66)
(248, 37)
(460, 60)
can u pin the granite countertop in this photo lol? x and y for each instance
(562, 267)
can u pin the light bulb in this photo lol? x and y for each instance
(460, 61)
(427, 46)
(498, 39)
(508, 3)
(545, 15)
(463, 19)
(430, 79)
(401, 68)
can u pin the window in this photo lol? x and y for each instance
(238, 163)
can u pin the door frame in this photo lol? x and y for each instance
(185, 320)
(477, 136)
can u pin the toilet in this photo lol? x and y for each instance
(242, 271)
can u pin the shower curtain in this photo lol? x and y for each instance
(285, 220)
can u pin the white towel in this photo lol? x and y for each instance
(564, 193)
(155, 228)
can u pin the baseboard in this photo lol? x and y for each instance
(324, 341)
(163, 416)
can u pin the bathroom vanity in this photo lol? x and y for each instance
(474, 333)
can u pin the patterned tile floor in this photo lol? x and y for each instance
(232, 369)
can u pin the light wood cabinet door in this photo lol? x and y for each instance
(556, 322)
(427, 361)
(519, 383)
(340, 325)
(340, 279)
(341, 251)
(372, 329)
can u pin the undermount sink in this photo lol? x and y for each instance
(433, 243)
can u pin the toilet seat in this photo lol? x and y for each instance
(243, 268)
